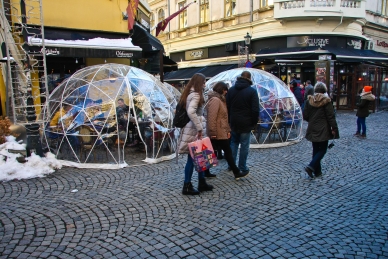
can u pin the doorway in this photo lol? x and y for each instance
(343, 92)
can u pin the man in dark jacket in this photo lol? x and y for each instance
(243, 108)
(308, 90)
(298, 93)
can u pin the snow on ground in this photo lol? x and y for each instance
(35, 166)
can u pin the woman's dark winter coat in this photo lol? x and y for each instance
(319, 113)
(363, 105)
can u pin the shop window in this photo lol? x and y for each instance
(230, 8)
(182, 16)
(161, 15)
(204, 11)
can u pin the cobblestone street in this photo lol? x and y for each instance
(276, 212)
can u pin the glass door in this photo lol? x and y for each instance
(344, 91)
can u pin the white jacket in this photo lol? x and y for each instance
(197, 122)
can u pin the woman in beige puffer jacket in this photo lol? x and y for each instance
(192, 99)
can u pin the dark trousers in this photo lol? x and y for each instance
(361, 125)
(223, 144)
(319, 151)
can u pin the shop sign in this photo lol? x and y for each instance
(356, 44)
(123, 54)
(324, 57)
(196, 54)
(52, 52)
(248, 64)
(382, 44)
(306, 41)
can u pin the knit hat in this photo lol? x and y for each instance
(367, 88)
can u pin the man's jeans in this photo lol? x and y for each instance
(243, 139)
(361, 125)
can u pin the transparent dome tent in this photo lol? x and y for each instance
(106, 116)
(280, 116)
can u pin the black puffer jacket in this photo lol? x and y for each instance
(319, 113)
(243, 106)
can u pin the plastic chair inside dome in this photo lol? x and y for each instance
(291, 118)
(270, 123)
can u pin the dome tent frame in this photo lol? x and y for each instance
(280, 119)
(93, 131)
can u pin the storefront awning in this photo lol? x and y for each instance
(289, 53)
(93, 48)
(312, 53)
(169, 64)
(142, 38)
(186, 73)
(357, 55)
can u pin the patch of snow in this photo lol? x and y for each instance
(35, 166)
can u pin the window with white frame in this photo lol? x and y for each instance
(384, 7)
(230, 8)
(161, 15)
(263, 3)
(182, 15)
(204, 8)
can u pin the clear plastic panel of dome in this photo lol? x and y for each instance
(280, 116)
(103, 115)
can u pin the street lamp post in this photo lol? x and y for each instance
(247, 39)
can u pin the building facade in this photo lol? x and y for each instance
(340, 42)
(78, 34)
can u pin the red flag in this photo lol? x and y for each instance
(131, 12)
(163, 24)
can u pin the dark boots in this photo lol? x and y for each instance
(240, 174)
(209, 175)
(203, 186)
(188, 189)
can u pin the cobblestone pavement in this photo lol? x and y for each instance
(276, 212)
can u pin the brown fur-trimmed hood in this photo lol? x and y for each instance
(318, 99)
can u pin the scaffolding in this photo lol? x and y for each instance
(25, 70)
(26, 66)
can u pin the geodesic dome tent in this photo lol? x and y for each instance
(280, 118)
(102, 113)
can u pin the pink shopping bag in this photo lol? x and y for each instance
(203, 155)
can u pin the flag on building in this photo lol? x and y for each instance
(163, 24)
(131, 12)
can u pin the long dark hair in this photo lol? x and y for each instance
(196, 82)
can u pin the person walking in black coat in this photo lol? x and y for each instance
(322, 126)
(243, 111)
(298, 93)
(366, 97)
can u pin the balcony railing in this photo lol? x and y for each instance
(319, 3)
(346, 8)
